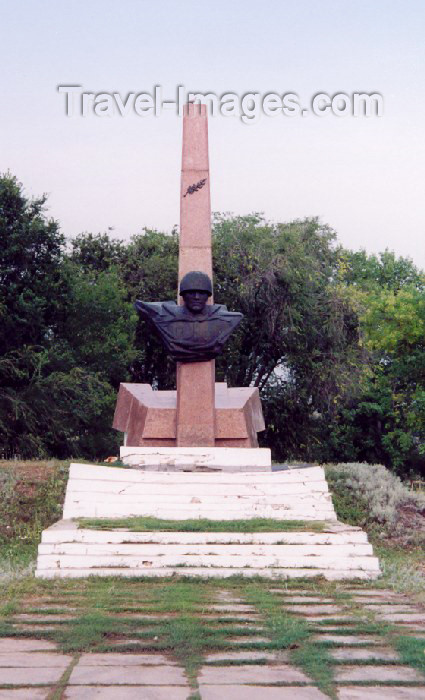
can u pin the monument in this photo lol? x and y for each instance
(200, 413)
(195, 450)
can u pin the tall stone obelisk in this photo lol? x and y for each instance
(195, 381)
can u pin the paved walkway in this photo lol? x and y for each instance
(366, 665)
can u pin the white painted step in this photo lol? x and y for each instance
(67, 549)
(112, 538)
(214, 550)
(163, 559)
(227, 458)
(274, 573)
(94, 471)
(297, 494)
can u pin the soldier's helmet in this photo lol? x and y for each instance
(196, 282)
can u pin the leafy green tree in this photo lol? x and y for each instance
(99, 324)
(97, 252)
(68, 338)
(395, 330)
(299, 342)
(31, 285)
(387, 422)
(378, 272)
(147, 267)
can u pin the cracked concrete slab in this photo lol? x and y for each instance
(120, 692)
(231, 675)
(254, 692)
(381, 674)
(126, 675)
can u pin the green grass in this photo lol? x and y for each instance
(148, 524)
(317, 663)
(86, 632)
(412, 651)
(293, 633)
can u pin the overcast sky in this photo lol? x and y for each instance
(362, 176)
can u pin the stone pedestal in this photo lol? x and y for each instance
(197, 459)
(149, 418)
(195, 417)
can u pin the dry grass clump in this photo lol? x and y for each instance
(371, 496)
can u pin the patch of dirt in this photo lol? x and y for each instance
(410, 525)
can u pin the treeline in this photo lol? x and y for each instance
(334, 339)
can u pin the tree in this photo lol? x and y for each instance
(32, 290)
(387, 423)
(299, 341)
(67, 341)
(97, 252)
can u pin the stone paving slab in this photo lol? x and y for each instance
(11, 645)
(381, 693)
(295, 591)
(347, 639)
(249, 640)
(243, 617)
(392, 608)
(117, 675)
(61, 609)
(136, 692)
(377, 593)
(25, 693)
(340, 618)
(377, 673)
(312, 610)
(21, 659)
(364, 654)
(125, 659)
(39, 617)
(281, 656)
(403, 617)
(331, 629)
(231, 675)
(252, 692)
(35, 628)
(122, 642)
(30, 676)
(228, 597)
(141, 614)
(227, 607)
(307, 599)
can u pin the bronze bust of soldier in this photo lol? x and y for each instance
(195, 331)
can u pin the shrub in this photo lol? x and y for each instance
(371, 496)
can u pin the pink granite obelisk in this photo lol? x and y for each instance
(196, 380)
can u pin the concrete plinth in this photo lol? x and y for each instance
(207, 459)
(149, 418)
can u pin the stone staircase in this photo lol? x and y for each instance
(337, 552)
(108, 492)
